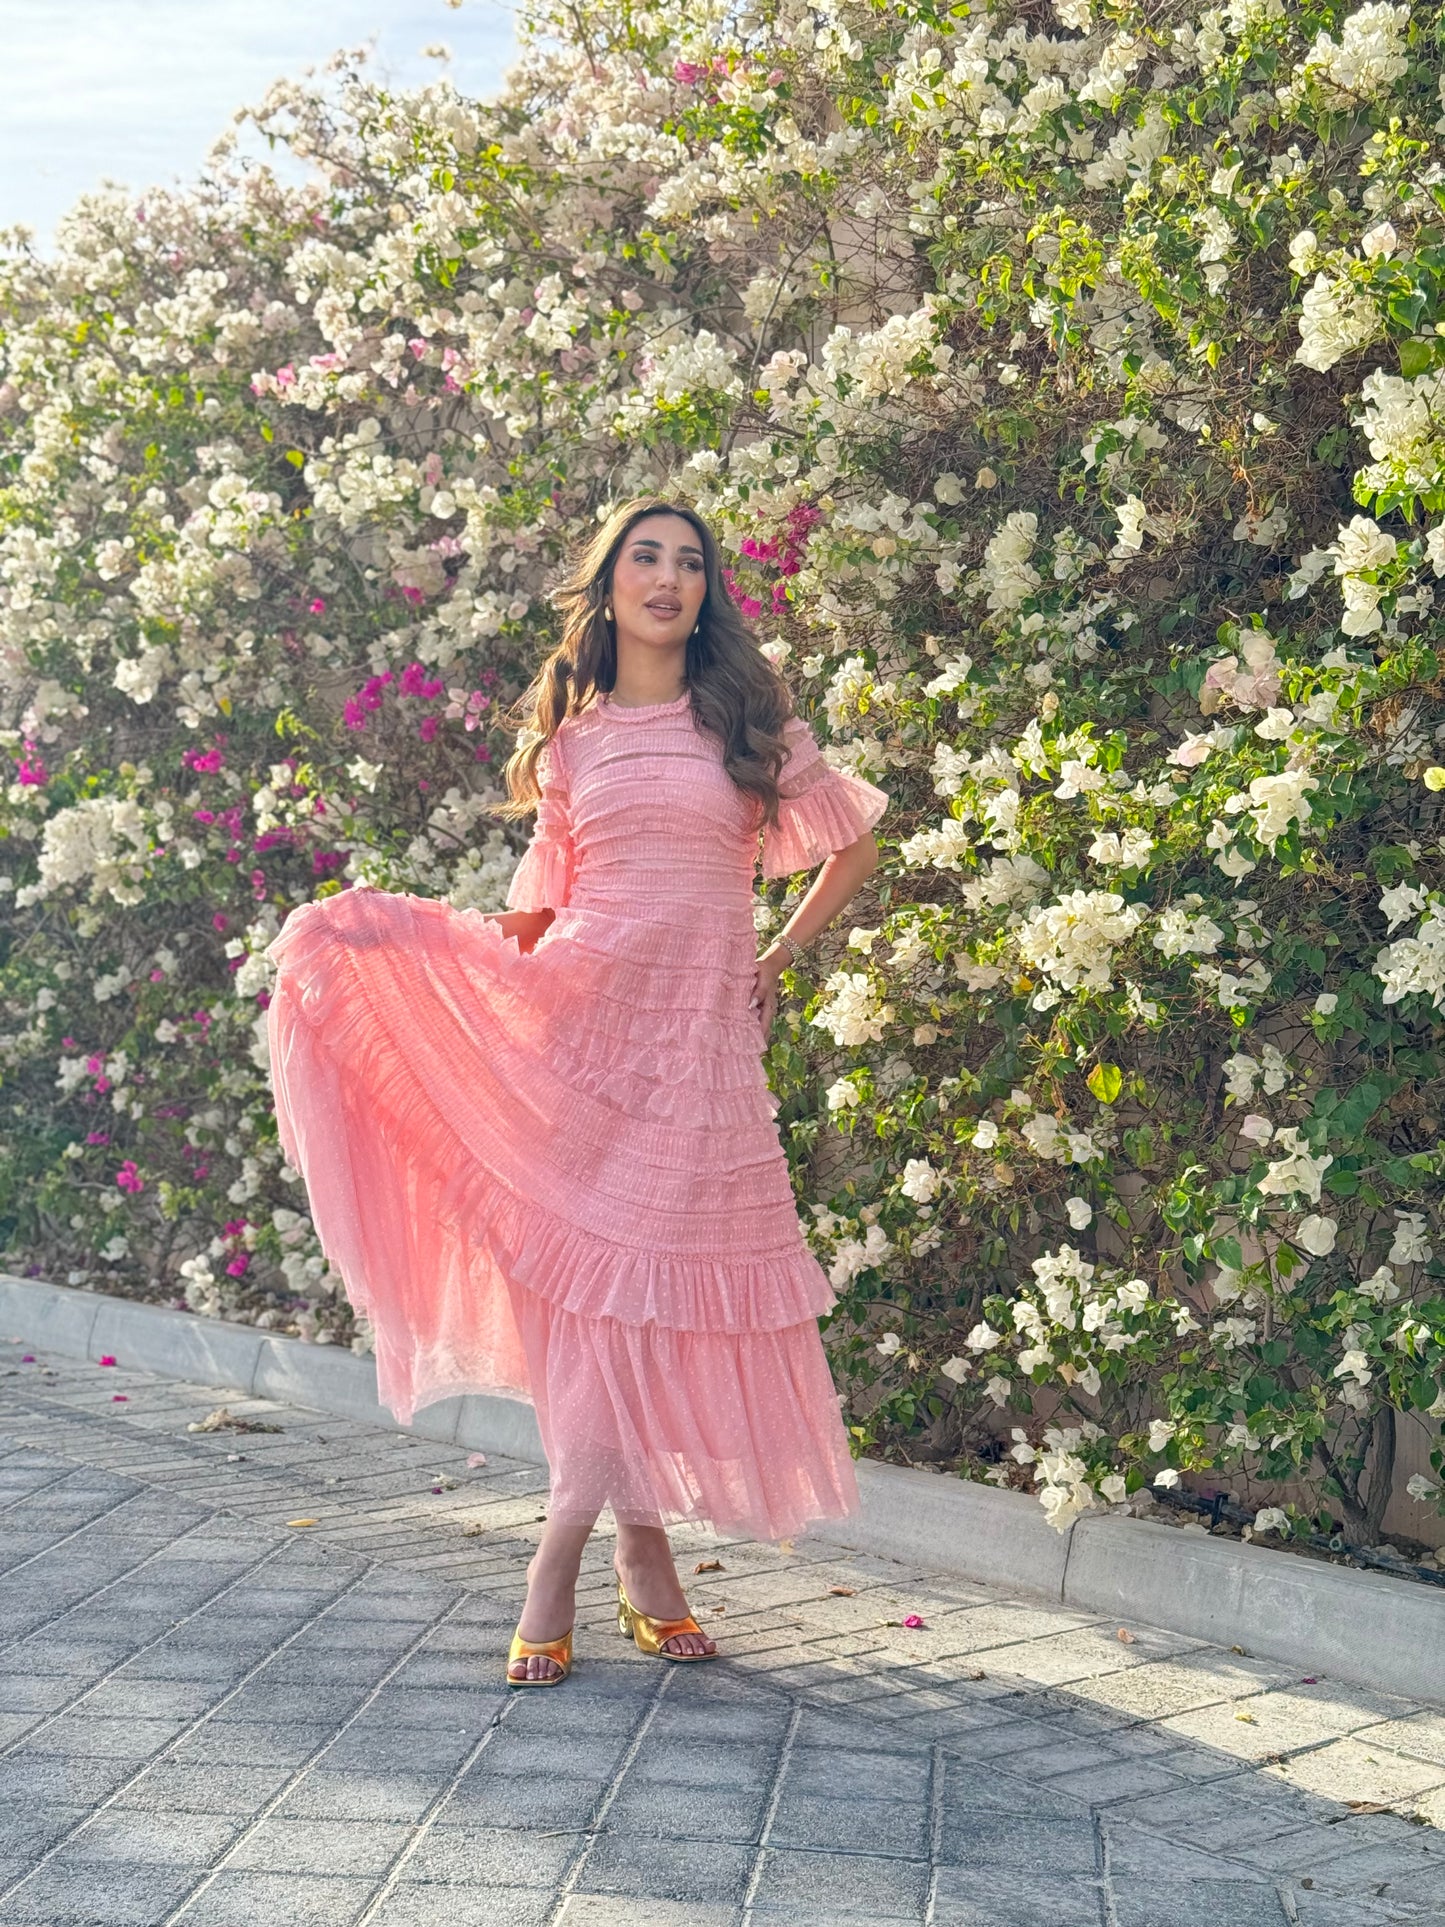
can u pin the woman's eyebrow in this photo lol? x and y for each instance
(650, 542)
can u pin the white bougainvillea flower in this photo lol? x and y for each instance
(1316, 1235)
(1411, 1245)
(1081, 1213)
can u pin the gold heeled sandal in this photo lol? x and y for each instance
(652, 1635)
(559, 1651)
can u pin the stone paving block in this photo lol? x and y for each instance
(1125, 1780)
(276, 1900)
(1136, 1855)
(827, 1917)
(28, 1776)
(1354, 1770)
(404, 1706)
(1321, 1910)
(120, 1837)
(75, 1661)
(850, 1826)
(268, 1743)
(1150, 1904)
(1013, 1898)
(1023, 1841)
(353, 1847)
(78, 1736)
(827, 1729)
(469, 1856)
(510, 1753)
(838, 1775)
(78, 1896)
(28, 1828)
(702, 1873)
(375, 1748)
(530, 1801)
(413, 1904)
(865, 1886)
(351, 1794)
(607, 1910)
(184, 1787)
(259, 1701)
(675, 1765)
(694, 1813)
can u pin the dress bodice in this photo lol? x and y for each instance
(639, 815)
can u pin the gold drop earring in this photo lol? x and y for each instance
(607, 612)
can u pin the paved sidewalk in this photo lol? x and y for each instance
(213, 1715)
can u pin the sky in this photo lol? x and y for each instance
(136, 90)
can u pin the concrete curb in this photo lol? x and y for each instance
(177, 1344)
(1363, 1627)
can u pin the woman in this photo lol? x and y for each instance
(539, 1145)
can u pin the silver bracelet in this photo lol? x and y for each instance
(794, 950)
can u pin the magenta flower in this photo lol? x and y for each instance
(317, 606)
(220, 921)
(915, 1623)
(239, 1265)
(285, 376)
(687, 73)
(98, 1137)
(106, 1360)
(429, 727)
(120, 1398)
(128, 1178)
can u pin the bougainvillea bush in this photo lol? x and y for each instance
(1068, 387)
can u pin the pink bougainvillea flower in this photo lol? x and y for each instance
(105, 1360)
(120, 1398)
(285, 376)
(317, 605)
(429, 727)
(239, 1265)
(915, 1623)
(28, 1359)
(127, 1178)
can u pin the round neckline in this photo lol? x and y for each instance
(642, 709)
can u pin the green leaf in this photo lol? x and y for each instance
(1106, 1081)
(1416, 358)
(1227, 1252)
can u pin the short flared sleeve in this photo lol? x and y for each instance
(543, 878)
(822, 809)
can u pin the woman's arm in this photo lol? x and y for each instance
(836, 884)
(525, 925)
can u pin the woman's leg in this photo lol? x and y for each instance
(645, 1567)
(552, 1590)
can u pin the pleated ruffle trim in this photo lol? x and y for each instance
(835, 812)
(573, 1267)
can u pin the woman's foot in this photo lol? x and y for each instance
(643, 1563)
(548, 1614)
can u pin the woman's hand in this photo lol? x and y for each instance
(771, 966)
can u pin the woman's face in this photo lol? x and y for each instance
(658, 583)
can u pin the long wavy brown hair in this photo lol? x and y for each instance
(737, 694)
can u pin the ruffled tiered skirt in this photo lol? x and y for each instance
(556, 1174)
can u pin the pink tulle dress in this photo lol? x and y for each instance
(556, 1173)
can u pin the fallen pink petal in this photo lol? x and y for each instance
(915, 1623)
(107, 1360)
